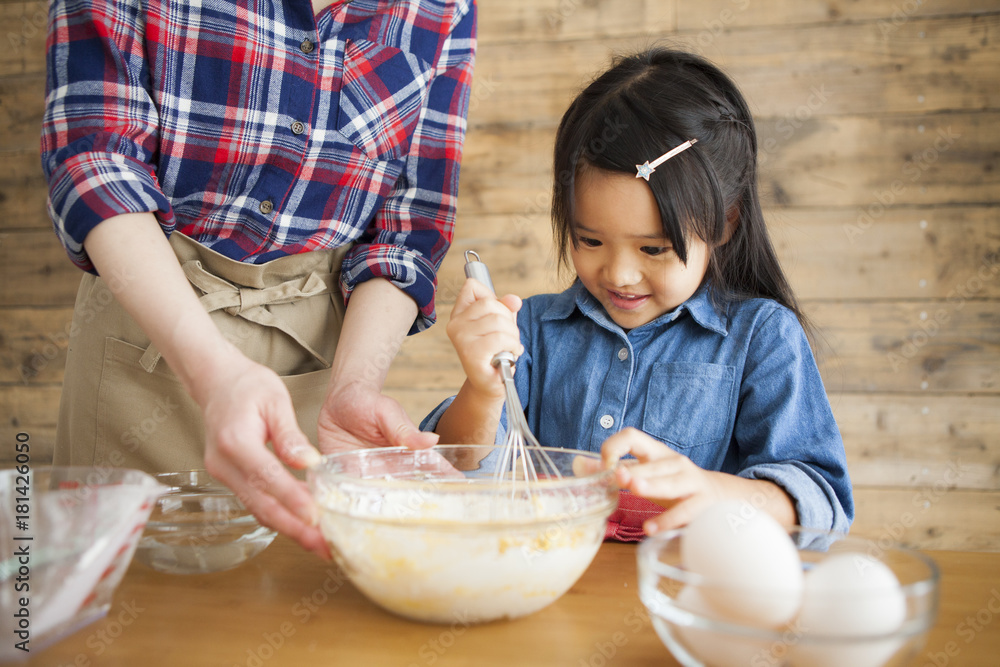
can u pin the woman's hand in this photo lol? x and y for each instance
(245, 406)
(673, 480)
(482, 325)
(358, 415)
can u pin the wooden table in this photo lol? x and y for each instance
(287, 607)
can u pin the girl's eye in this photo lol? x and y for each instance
(590, 243)
(654, 250)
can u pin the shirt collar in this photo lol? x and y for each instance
(699, 306)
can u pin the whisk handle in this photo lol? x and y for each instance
(505, 360)
(474, 268)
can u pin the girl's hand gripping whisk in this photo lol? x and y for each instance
(522, 456)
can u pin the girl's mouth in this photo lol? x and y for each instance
(627, 301)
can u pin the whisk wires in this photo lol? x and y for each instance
(520, 446)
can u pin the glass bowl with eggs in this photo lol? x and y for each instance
(736, 588)
(433, 536)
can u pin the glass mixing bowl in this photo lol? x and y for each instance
(199, 526)
(67, 535)
(429, 535)
(695, 634)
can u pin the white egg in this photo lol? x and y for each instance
(849, 595)
(752, 570)
(715, 648)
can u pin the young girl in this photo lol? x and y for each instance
(680, 341)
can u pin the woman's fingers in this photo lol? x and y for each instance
(268, 490)
(399, 429)
(290, 444)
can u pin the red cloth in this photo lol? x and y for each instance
(625, 523)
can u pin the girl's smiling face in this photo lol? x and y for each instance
(620, 253)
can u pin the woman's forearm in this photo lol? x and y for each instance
(143, 273)
(379, 315)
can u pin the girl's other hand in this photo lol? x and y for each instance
(662, 475)
(482, 325)
(673, 480)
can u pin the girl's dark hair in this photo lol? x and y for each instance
(647, 104)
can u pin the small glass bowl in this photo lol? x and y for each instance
(697, 638)
(199, 526)
(431, 536)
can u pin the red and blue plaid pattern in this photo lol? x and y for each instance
(261, 130)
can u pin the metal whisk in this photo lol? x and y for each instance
(520, 444)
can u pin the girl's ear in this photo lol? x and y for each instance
(732, 220)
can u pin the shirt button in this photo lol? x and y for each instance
(607, 421)
(298, 127)
(266, 206)
(307, 46)
(623, 353)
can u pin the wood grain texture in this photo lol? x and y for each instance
(521, 21)
(34, 342)
(932, 517)
(23, 192)
(925, 66)
(911, 441)
(22, 37)
(889, 15)
(22, 101)
(35, 270)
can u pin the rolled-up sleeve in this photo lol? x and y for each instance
(785, 430)
(413, 229)
(99, 130)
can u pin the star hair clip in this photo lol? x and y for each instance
(647, 168)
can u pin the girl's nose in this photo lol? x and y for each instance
(622, 271)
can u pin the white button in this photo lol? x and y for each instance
(607, 421)
(623, 353)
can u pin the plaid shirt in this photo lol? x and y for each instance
(261, 130)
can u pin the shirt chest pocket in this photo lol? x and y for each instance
(382, 94)
(688, 403)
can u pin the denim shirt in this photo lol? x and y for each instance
(735, 389)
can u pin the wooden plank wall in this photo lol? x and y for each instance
(879, 124)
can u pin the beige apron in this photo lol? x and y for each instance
(121, 404)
